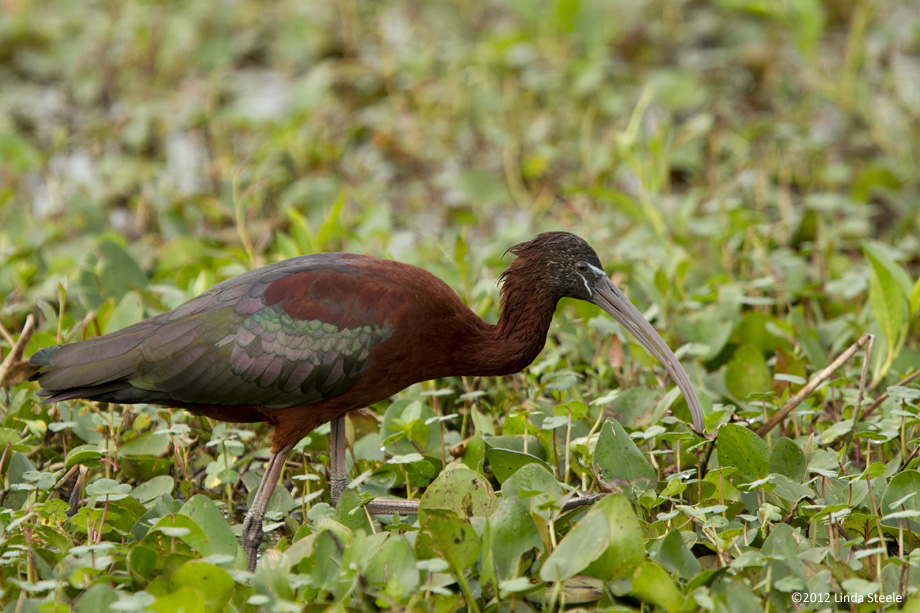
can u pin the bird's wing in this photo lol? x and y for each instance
(290, 334)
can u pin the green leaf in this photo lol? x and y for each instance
(516, 442)
(747, 373)
(735, 596)
(214, 584)
(461, 259)
(153, 489)
(182, 528)
(97, 598)
(513, 534)
(9, 436)
(895, 271)
(341, 531)
(213, 524)
(710, 327)
(618, 463)
(584, 543)
(394, 561)
(141, 562)
(782, 545)
(129, 310)
(651, 583)
(324, 564)
(914, 301)
(635, 407)
(902, 393)
(84, 455)
(330, 227)
(185, 600)
(420, 473)
(896, 495)
(808, 339)
(536, 486)
(789, 490)
(117, 271)
(109, 489)
(889, 288)
(18, 466)
(887, 304)
(348, 502)
(787, 459)
(759, 329)
(451, 538)
(626, 546)
(742, 449)
(556, 421)
(42, 481)
(836, 430)
(460, 490)
(675, 557)
(505, 462)
(575, 409)
(147, 444)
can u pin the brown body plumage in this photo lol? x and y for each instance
(304, 341)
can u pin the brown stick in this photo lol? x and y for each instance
(878, 401)
(812, 385)
(15, 354)
(863, 377)
(6, 335)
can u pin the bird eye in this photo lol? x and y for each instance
(581, 267)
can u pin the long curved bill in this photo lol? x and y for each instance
(609, 297)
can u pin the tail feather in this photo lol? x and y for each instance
(89, 374)
(80, 392)
(42, 357)
(115, 345)
(89, 369)
(120, 392)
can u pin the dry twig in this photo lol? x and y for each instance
(13, 370)
(813, 384)
(878, 401)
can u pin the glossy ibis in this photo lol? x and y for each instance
(306, 340)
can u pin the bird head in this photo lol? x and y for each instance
(568, 267)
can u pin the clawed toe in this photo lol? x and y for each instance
(250, 538)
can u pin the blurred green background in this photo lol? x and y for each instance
(720, 156)
(747, 171)
(708, 143)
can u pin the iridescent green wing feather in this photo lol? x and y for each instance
(290, 334)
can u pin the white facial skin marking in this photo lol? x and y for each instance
(585, 281)
(597, 270)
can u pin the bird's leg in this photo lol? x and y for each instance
(338, 479)
(410, 507)
(581, 501)
(76, 496)
(251, 536)
(338, 474)
(391, 507)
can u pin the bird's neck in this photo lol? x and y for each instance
(520, 334)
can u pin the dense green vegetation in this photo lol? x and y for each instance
(746, 169)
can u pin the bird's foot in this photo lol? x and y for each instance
(337, 485)
(410, 507)
(580, 501)
(251, 538)
(391, 507)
